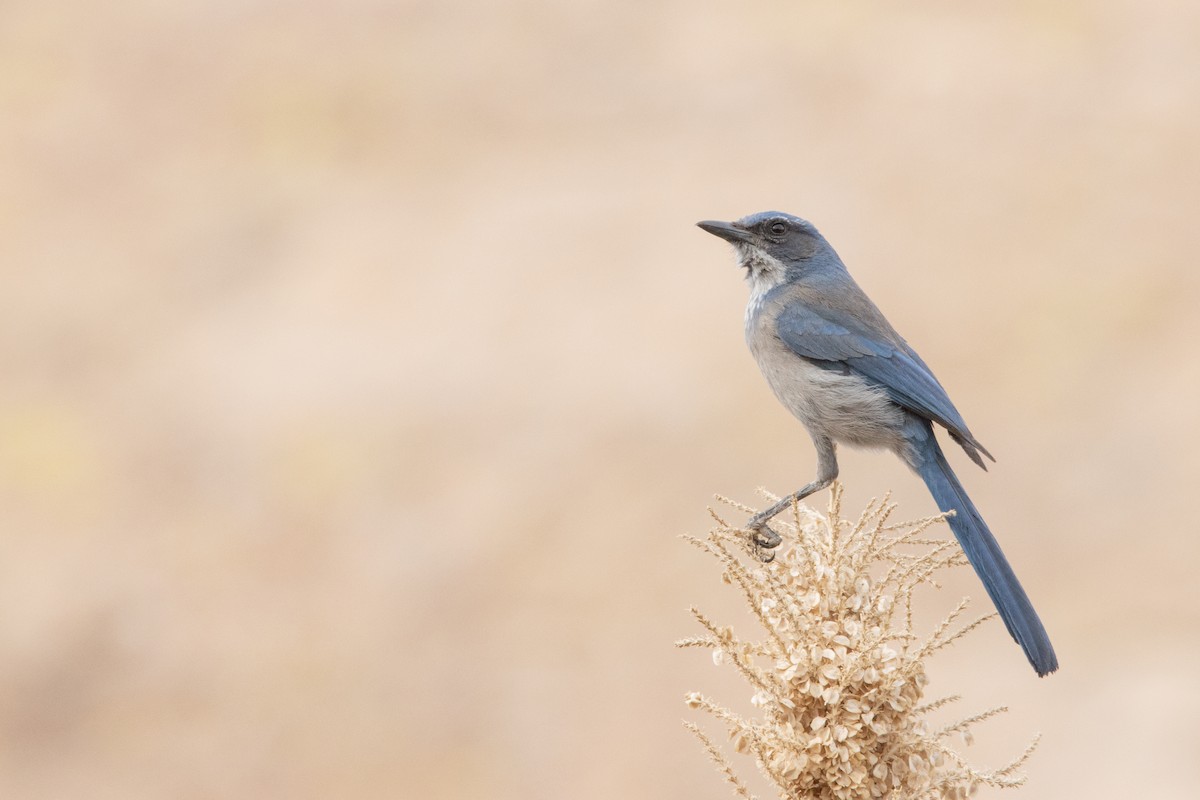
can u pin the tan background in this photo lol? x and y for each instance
(361, 365)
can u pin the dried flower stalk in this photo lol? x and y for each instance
(839, 677)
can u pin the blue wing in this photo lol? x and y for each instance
(834, 339)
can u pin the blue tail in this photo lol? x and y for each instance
(984, 553)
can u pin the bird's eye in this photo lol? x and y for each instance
(778, 228)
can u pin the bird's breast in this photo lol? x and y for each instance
(828, 397)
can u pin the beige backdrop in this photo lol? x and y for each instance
(362, 365)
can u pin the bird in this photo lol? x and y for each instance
(836, 363)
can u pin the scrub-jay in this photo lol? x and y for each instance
(833, 360)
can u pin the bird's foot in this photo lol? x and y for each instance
(763, 539)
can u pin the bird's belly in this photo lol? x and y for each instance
(834, 403)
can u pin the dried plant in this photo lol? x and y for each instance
(839, 677)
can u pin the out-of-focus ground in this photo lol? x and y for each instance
(362, 364)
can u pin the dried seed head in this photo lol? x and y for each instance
(840, 675)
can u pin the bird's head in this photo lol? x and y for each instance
(774, 247)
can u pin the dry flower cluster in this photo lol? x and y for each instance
(840, 675)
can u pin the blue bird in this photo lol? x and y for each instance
(836, 363)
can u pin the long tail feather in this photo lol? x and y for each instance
(985, 556)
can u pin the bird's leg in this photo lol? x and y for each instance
(765, 539)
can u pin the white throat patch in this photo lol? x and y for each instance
(763, 273)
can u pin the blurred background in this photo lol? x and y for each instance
(362, 365)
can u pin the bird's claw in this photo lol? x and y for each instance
(764, 540)
(762, 554)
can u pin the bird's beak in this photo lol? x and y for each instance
(729, 231)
